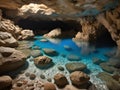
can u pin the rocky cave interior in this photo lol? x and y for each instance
(69, 29)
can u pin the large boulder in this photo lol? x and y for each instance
(6, 39)
(75, 66)
(11, 59)
(5, 81)
(79, 78)
(8, 26)
(42, 61)
(26, 34)
(54, 33)
(111, 83)
(60, 80)
(49, 86)
(50, 52)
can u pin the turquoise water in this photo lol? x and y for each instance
(83, 50)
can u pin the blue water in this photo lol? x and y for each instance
(84, 50)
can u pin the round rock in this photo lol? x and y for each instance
(75, 66)
(73, 57)
(50, 52)
(79, 78)
(60, 80)
(49, 86)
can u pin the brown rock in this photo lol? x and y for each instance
(5, 81)
(54, 33)
(60, 80)
(49, 86)
(50, 52)
(79, 78)
(6, 39)
(26, 34)
(42, 60)
(11, 59)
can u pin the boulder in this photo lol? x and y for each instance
(54, 33)
(5, 81)
(11, 59)
(8, 26)
(75, 66)
(6, 39)
(50, 52)
(42, 61)
(49, 86)
(26, 34)
(79, 78)
(111, 83)
(60, 80)
(115, 62)
(107, 68)
(0, 14)
(73, 57)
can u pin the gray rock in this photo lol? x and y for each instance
(73, 57)
(75, 66)
(61, 68)
(111, 83)
(50, 52)
(36, 53)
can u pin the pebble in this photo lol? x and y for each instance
(32, 76)
(60, 68)
(27, 74)
(42, 76)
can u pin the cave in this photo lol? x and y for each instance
(44, 26)
(69, 29)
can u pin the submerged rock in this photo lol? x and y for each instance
(75, 66)
(11, 59)
(73, 57)
(61, 68)
(97, 61)
(36, 53)
(79, 78)
(50, 52)
(42, 61)
(111, 83)
(68, 48)
(32, 76)
(107, 68)
(5, 81)
(49, 86)
(60, 80)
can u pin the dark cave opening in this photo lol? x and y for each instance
(104, 38)
(44, 26)
(69, 29)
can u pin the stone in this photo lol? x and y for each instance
(36, 53)
(75, 66)
(27, 74)
(115, 62)
(68, 48)
(50, 52)
(49, 86)
(43, 40)
(97, 61)
(42, 76)
(32, 76)
(11, 59)
(19, 83)
(8, 26)
(79, 78)
(60, 80)
(107, 68)
(111, 83)
(49, 80)
(26, 34)
(54, 33)
(42, 61)
(73, 57)
(61, 68)
(6, 39)
(5, 81)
